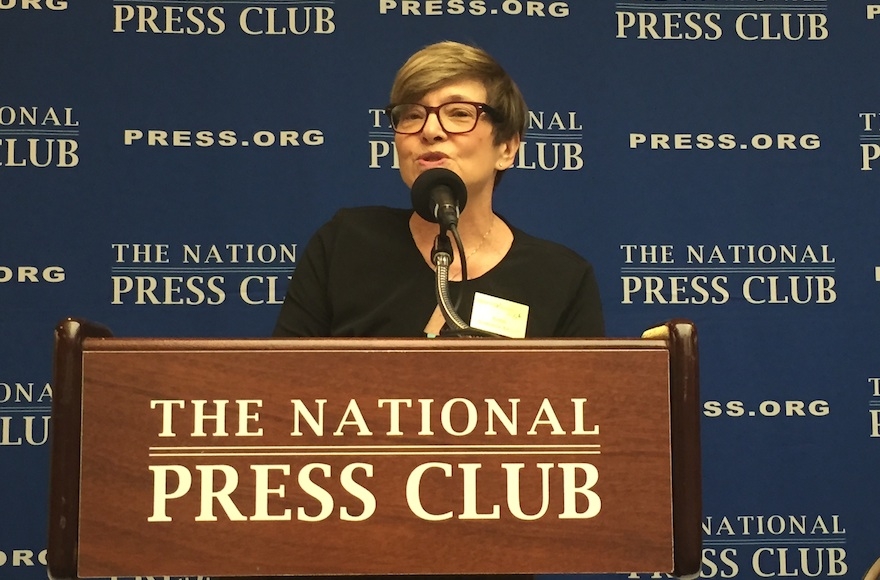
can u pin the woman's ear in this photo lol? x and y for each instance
(507, 151)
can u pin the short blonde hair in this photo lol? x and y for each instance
(439, 64)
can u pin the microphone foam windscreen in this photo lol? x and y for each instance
(431, 180)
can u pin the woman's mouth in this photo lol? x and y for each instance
(432, 159)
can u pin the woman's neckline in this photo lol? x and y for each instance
(421, 257)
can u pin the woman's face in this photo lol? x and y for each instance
(474, 156)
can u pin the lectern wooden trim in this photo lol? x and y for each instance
(447, 456)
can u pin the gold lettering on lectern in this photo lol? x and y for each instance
(309, 488)
(218, 482)
(246, 417)
(468, 482)
(458, 417)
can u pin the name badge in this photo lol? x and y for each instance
(499, 316)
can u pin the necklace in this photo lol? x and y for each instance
(468, 256)
(482, 240)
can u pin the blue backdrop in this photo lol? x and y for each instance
(162, 163)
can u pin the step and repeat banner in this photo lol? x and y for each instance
(163, 164)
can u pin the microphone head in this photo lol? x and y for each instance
(434, 180)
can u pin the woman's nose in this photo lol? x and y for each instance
(433, 130)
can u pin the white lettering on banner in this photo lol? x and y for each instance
(25, 412)
(33, 4)
(672, 25)
(39, 153)
(197, 274)
(810, 562)
(16, 431)
(550, 156)
(723, 142)
(25, 393)
(195, 20)
(870, 140)
(255, 20)
(207, 254)
(31, 274)
(770, 408)
(383, 152)
(173, 290)
(768, 26)
(552, 142)
(874, 407)
(36, 137)
(760, 274)
(528, 8)
(773, 525)
(652, 22)
(802, 546)
(870, 153)
(34, 117)
(223, 138)
(22, 558)
(873, 11)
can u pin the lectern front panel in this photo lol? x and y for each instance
(308, 458)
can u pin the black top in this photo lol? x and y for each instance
(362, 275)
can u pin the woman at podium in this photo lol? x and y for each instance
(369, 270)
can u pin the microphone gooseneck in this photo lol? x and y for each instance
(441, 255)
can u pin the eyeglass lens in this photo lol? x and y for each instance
(454, 117)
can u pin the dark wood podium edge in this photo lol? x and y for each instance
(65, 445)
(684, 398)
(680, 335)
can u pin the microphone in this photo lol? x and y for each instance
(439, 195)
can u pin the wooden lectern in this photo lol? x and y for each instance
(289, 457)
